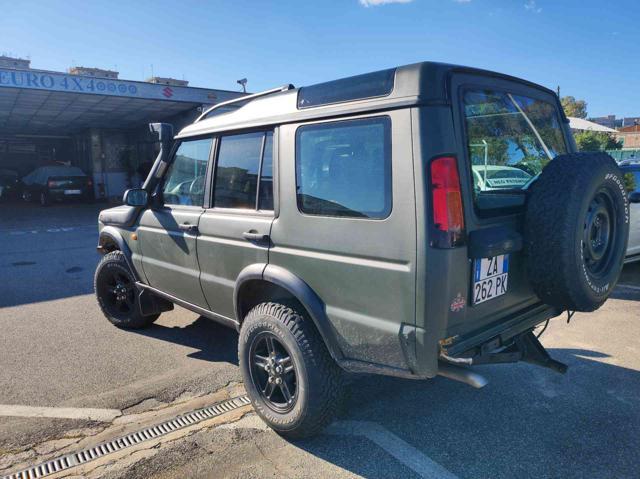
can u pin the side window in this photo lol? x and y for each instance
(184, 181)
(344, 168)
(238, 169)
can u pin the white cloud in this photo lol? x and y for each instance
(532, 6)
(373, 3)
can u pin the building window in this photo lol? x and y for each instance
(343, 168)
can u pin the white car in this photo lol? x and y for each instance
(498, 177)
(633, 249)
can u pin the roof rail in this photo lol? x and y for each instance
(241, 99)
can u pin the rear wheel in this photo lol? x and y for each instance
(117, 294)
(294, 384)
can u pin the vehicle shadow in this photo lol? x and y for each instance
(528, 422)
(214, 342)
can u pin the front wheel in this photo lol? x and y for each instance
(117, 294)
(294, 384)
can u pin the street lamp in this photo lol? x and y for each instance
(243, 82)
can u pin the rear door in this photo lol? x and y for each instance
(234, 230)
(509, 132)
(167, 233)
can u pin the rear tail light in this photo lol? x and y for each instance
(447, 225)
(52, 184)
(89, 182)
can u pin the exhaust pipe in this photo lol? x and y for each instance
(461, 374)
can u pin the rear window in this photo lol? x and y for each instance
(510, 139)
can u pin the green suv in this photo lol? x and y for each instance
(410, 222)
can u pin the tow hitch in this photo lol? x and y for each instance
(525, 347)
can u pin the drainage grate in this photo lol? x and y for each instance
(109, 447)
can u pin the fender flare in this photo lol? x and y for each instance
(300, 290)
(109, 233)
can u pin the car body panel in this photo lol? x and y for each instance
(362, 269)
(169, 255)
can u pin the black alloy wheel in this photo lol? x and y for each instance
(273, 372)
(118, 292)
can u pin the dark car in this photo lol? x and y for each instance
(9, 184)
(47, 184)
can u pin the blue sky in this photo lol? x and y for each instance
(588, 47)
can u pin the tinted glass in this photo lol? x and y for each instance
(511, 138)
(358, 87)
(344, 168)
(184, 181)
(236, 177)
(266, 177)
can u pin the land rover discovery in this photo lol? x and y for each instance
(411, 222)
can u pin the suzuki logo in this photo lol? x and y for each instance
(168, 92)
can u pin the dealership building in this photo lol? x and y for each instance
(88, 117)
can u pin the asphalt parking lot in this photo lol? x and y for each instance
(56, 350)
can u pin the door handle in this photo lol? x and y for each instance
(189, 228)
(253, 236)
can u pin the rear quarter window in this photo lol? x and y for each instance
(343, 168)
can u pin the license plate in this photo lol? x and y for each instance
(72, 192)
(490, 278)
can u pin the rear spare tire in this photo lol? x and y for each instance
(576, 231)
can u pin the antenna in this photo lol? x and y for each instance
(152, 70)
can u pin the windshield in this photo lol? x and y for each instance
(511, 138)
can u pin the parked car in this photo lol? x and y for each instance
(339, 228)
(631, 169)
(10, 185)
(499, 177)
(47, 184)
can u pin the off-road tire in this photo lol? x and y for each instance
(320, 380)
(559, 212)
(116, 263)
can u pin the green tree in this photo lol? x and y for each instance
(596, 141)
(630, 182)
(573, 107)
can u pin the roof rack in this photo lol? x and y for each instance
(244, 98)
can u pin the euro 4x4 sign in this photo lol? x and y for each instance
(51, 81)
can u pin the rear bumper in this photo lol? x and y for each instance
(503, 330)
(60, 195)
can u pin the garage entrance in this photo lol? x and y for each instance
(90, 119)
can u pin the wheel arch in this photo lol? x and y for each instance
(258, 283)
(110, 239)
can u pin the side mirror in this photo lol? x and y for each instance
(634, 197)
(136, 197)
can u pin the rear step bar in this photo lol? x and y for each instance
(525, 347)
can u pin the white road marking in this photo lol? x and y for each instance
(629, 286)
(91, 414)
(392, 444)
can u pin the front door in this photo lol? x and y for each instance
(234, 232)
(167, 233)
